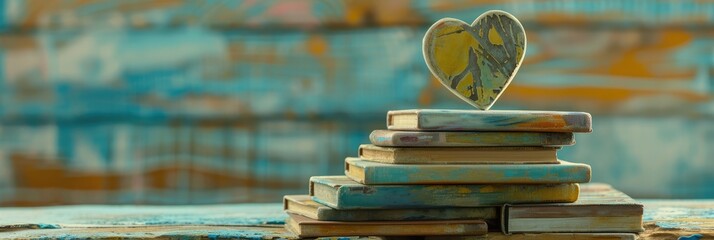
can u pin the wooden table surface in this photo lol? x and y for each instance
(664, 219)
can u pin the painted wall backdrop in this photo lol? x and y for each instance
(182, 101)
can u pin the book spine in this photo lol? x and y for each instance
(485, 155)
(358, 172)
(534, 122)
(324, 194)
(382, 138)
(631, 224)
(553, 236)
(446, 228)
(427, 196)
(481, 174)
(488, 214)
(571, 218)
(469, 139)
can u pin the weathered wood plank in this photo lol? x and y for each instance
(34, 14)
(156, 232)
(691, 215)
(175, 163)
(106, 216)
(127, 162)
(157, 61)
(664, 219)
(301, 74)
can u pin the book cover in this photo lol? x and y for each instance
(459, 155)
(536, 236)
(305, 206)
(493, 120)
(600, 208)
(340, 192)
(387, 138)
(307, 227)
(367, 172)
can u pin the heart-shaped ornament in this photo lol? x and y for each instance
(478, 61)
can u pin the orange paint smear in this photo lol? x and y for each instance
(460, 5)
(560, 94)
(316, 45)
(356, 12)
(555, 123)
(634, 64)
(593, 94)
(426, 96)
(560, 18)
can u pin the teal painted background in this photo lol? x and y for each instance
(178, 101)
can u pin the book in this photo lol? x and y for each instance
(303, 205)
(340, 192)
(307, 227)
(535, 236)
(600, 208)
(460, 155)
(492, 120)
(387, 138)
(367, 172)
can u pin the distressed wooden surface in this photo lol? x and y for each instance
(476, 62)
(320, 74)
(367, 172)
(340, 192)
(177, 102)
(343, 14)
(178, 164)
(664, 219)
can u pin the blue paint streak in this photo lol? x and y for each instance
(239, 234)
(691, 237)
(4, 23)
(48, 226)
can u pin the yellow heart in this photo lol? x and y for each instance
(478, 61)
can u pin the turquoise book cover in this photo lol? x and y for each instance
(387, 138)
(494, 120)
(368, 172)
(340, 192)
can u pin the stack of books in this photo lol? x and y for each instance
(459, 172)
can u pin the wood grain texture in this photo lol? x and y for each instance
(501, 120)
(176, 102)
(476, 62)
(367, 172)
(664, 219)
(387, 138)
(460, 155)
(58, 217)
(312, 209)
(310, 14)
(688, 215)
(342, 193)
(306, 227)
(600, 208)
(335, 77)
